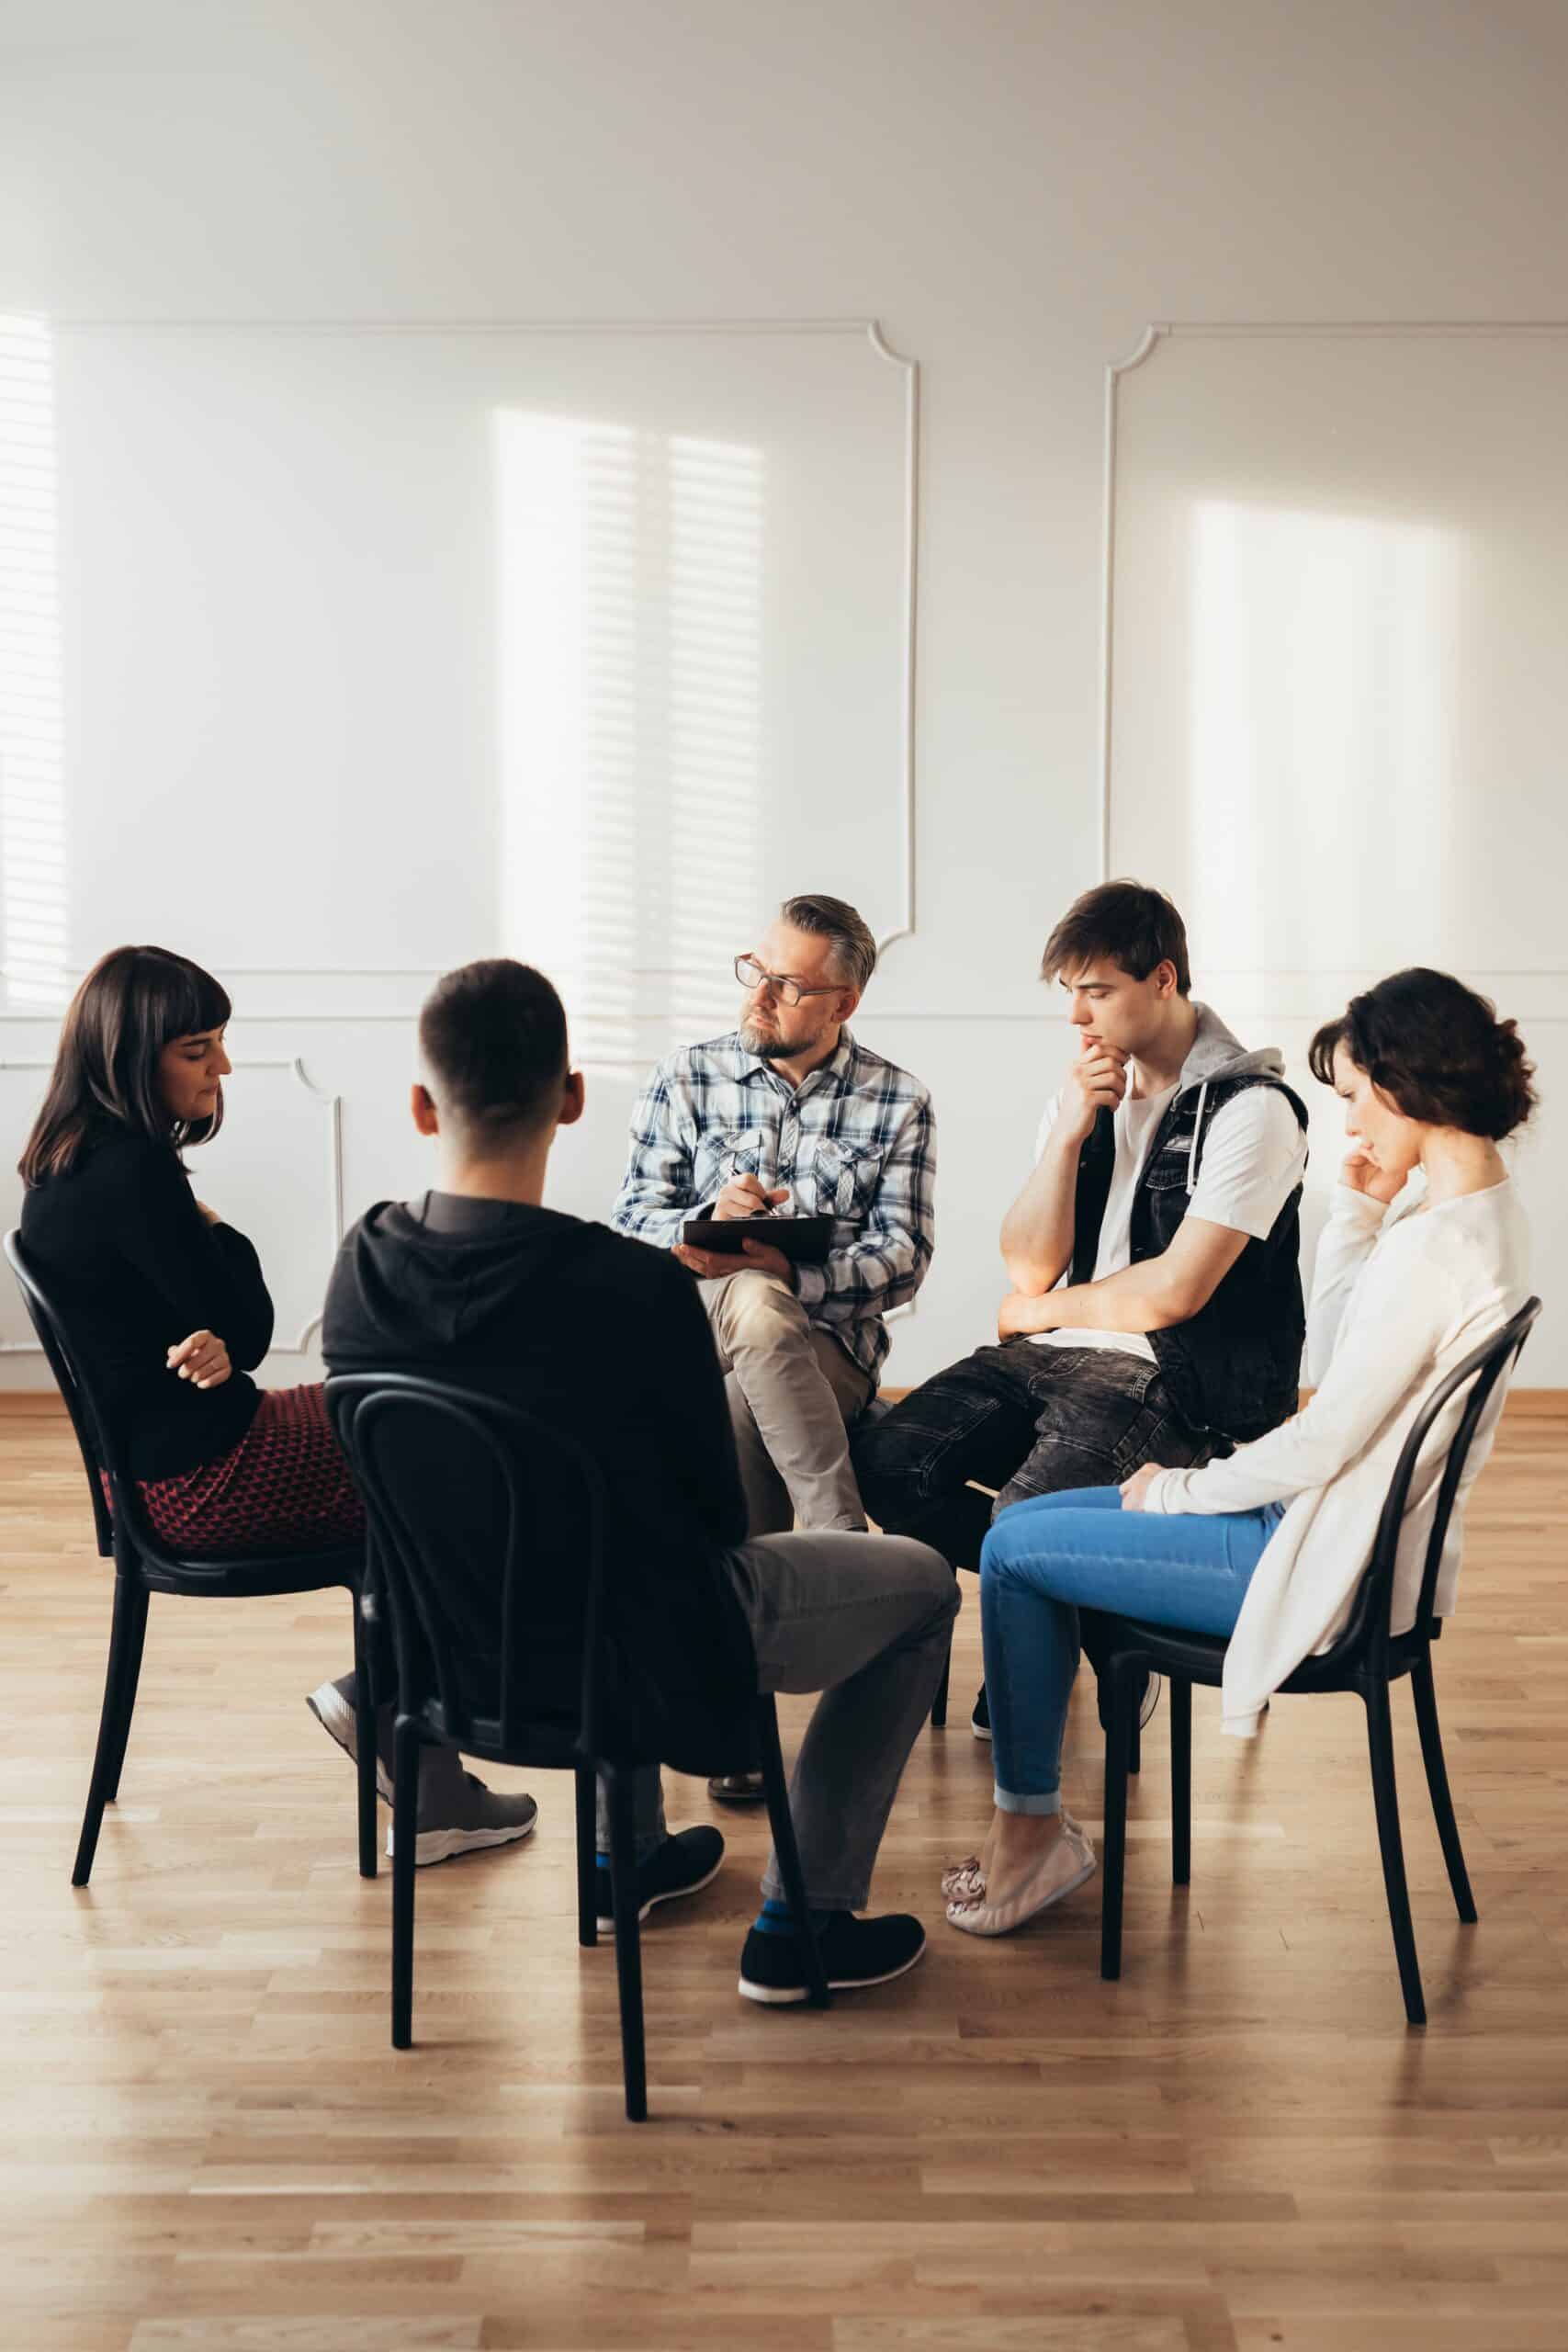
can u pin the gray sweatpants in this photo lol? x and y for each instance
(865, 1620)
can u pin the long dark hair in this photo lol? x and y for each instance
(133, 1002)
(1437, 1051)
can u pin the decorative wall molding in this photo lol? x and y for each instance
(1538, 994)
(910, 370)
(24, 1061)
(331, 1104)
(1158, 330)
(1113, 375)
(869, 329)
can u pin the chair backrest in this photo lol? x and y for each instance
(1367, 1624)
(62, 1361)
(487, 1541)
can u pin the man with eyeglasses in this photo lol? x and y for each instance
(788, 1114)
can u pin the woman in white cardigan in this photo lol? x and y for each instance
(1270, 1544)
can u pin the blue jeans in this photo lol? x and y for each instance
(1044, 1557)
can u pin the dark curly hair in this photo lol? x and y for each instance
(1437, 1051)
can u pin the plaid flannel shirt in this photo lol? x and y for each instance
(855, 1141)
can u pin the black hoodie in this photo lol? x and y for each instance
(605, 1338)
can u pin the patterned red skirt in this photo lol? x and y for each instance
(285, 1487)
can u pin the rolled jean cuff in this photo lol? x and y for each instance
(1007, 1803)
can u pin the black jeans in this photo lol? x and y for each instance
(1021, 1418)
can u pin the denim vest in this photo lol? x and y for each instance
(1234, 1367)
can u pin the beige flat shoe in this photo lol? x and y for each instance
(1068, 1863)
(964, 1882)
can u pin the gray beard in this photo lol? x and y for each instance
(767, 1049)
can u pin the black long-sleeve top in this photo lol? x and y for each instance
(606, 1340)
(137, 1268)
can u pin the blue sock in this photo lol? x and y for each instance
(774, 1918)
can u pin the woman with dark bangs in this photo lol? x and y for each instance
(1425, 1256)
(169, 1308)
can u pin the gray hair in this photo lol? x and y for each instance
(854, 949)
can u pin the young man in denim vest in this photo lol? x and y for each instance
(1155, 1310)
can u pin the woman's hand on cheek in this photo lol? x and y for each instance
(1360, 1173)
(1135, 1488)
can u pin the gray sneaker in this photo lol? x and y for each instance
(457, 1815)
(460, 1816)
(333, 1706)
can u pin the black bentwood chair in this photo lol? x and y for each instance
(1366, 1659)
(473, 1500)
(142, 1567)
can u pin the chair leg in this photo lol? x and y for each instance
(587, 1861)
(1123, 1715)
(628, 1942)
(131, 1678)
(1095, 1651)
(938, 1704)
(787, 1853)
(405, 1833)
(1180, 1781)
(1386, 1797)
(114, 1716)
(365, 1741)
(1425, 1698)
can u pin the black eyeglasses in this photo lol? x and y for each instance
(750, 974)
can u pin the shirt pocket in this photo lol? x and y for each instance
(841, 1178)
(1167, 1167)
(722, 1157)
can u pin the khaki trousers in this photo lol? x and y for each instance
(793, 1393)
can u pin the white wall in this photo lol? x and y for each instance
(1015, 190)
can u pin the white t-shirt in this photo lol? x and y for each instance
(1253, 1157)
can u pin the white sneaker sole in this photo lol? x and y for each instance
(670, 1894)
(340, 1723)
(443, 1844)
(980, 1731)
(783, 1996)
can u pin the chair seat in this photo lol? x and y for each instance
(258, 1578)
(547, 1747)
(554, 1744)
(1201, 1657)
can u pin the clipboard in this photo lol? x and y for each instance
(804, 1240)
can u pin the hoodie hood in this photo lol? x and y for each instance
(1216, 1054)
(440, 1274)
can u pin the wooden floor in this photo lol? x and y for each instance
(208, 2143)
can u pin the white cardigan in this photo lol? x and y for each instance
(1399, 1298)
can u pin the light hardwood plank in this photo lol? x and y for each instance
(209, 2147)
